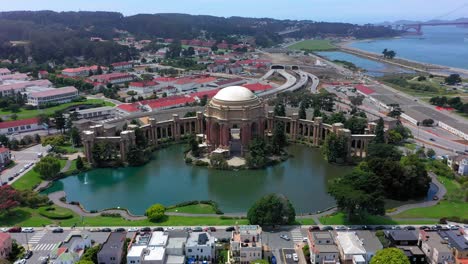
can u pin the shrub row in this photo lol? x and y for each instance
(50, 213)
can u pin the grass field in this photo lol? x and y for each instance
(313, 45)
(194, 209)
(340, 219)
(24, 114)
(28, 217)
(32, 178)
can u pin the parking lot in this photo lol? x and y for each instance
(22, 158)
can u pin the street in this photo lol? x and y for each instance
(22, 158)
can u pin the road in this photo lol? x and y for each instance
(22, 158)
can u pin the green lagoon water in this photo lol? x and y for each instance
(168, 180)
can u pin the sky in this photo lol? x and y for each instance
(354, 11)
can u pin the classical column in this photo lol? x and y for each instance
(88, 142)
(176, 127)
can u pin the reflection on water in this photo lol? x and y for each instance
(168, 180)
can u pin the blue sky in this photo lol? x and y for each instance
(357, 11)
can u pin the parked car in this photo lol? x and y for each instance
(340, 228)
(95, 230)
(28, 230)
(312, 228)
(211, 228)
(168, 228)
(3, 229)
(327, 228)
(197, 229)
(410, 228)
(21, 261)
(295, 257)
(380, 228)
(432, 139)
(57, 230)
(15, 229)
(10, 178)
(28, 254)
(305, 239)
(145, 229)
(158, 229)
(133, 229)
(43, 260)
(424, 228)
(285, 237)
(119, 229)
(106, 229)
(187, 229)
(230, 229)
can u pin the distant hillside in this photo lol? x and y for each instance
(58, 35)
(401, 22)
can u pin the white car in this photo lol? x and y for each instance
(28, 230)
(295, 257)
(285, 237)
(168, 228)
(305, 239)
(133, 229)
(21, 261)
(3, 229)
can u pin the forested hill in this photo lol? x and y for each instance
(49, 35)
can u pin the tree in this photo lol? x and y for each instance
(99, 70)
(356, 100)
(334, 148)
(390, 256)
(59, 121)
(453, 79)
(430, 153)
(272, 209)
(8, 198)
(278, 141)
(155, 213)
(388, 54)
(218, 162)
(85, 262)
(91, 254)
(203, 100)
(258, 152)
(48, 167)
(394, 137)
(302, 110)
(380, 132)
(357, 125)
(193, 146)
(79, 163)
(279, 110)
(37, 138)
(138, 156)
(383, 151)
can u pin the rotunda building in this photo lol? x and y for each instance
(234, 116)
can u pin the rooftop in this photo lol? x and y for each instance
(16, 123)
(199, 239)
(235, 93)
(350, 243)
(154, 254)
(114, 242)
(457, 239)
(158, 239)
(54, 92)
(402, 235)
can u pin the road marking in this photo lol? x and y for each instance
(36, 237)
(296, 235)
(45, 247)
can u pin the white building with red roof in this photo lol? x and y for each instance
(21, 87)
(122, 66)
(5, 156)
(82, 71)
(58, 95)
(113, 78)
(14, 77)
(4, 71)
(19, 126)
(144, 87)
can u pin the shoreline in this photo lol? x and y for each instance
(418, 66)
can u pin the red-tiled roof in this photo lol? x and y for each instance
(364, 89)
(111, 76)
(5, 71)
(209, 93)
(17, 123)
(22, 85)
(122, 63)
(143, 84)
(257, 87)
(14, 76)
(129, 107)
(56, 91)
(2, 150)
(205, 80)
(165, 79)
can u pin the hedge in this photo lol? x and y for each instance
(50, 213)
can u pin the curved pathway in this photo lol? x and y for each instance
(440, 193)
(56, 196)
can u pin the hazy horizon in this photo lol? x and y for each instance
(362, 11)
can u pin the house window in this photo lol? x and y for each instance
(28, 126)
(189, 250)
(201, 250)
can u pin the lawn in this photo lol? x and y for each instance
(31, 178)
(313, 45)
(24, 114)
(194, 209)
(305, 221)
(30, 217)
(340, 219)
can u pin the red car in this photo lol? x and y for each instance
(211, 228)
(15, 229)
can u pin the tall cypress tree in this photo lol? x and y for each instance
(379, 132)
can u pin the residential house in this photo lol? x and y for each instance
(200, 246)
(53, 96)
(4, 71)
(402, 237)
(457, 161)
(463, 167)
(458, 242)
(357, 248)
(246, 244)
(20, 126)
(82, 71)
(5, 245)
(323, 249)
(157, 248)
(14, 77)
(42, 74)
(21, 87)
(112, 250)
(5, 157)
(435, 248)
(414, 253)
(113, 78)
(71, 249)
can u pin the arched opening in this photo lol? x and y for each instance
(235, 140)
(215, 134)
(253, 130)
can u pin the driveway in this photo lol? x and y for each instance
(22, 158)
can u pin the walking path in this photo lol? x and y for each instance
(440, 193)
(56, 196)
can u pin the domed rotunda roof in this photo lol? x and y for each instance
(235, 94)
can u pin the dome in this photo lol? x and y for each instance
(235, 94)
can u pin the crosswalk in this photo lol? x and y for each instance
(296, 235)
(37, 237)
(44, 247)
